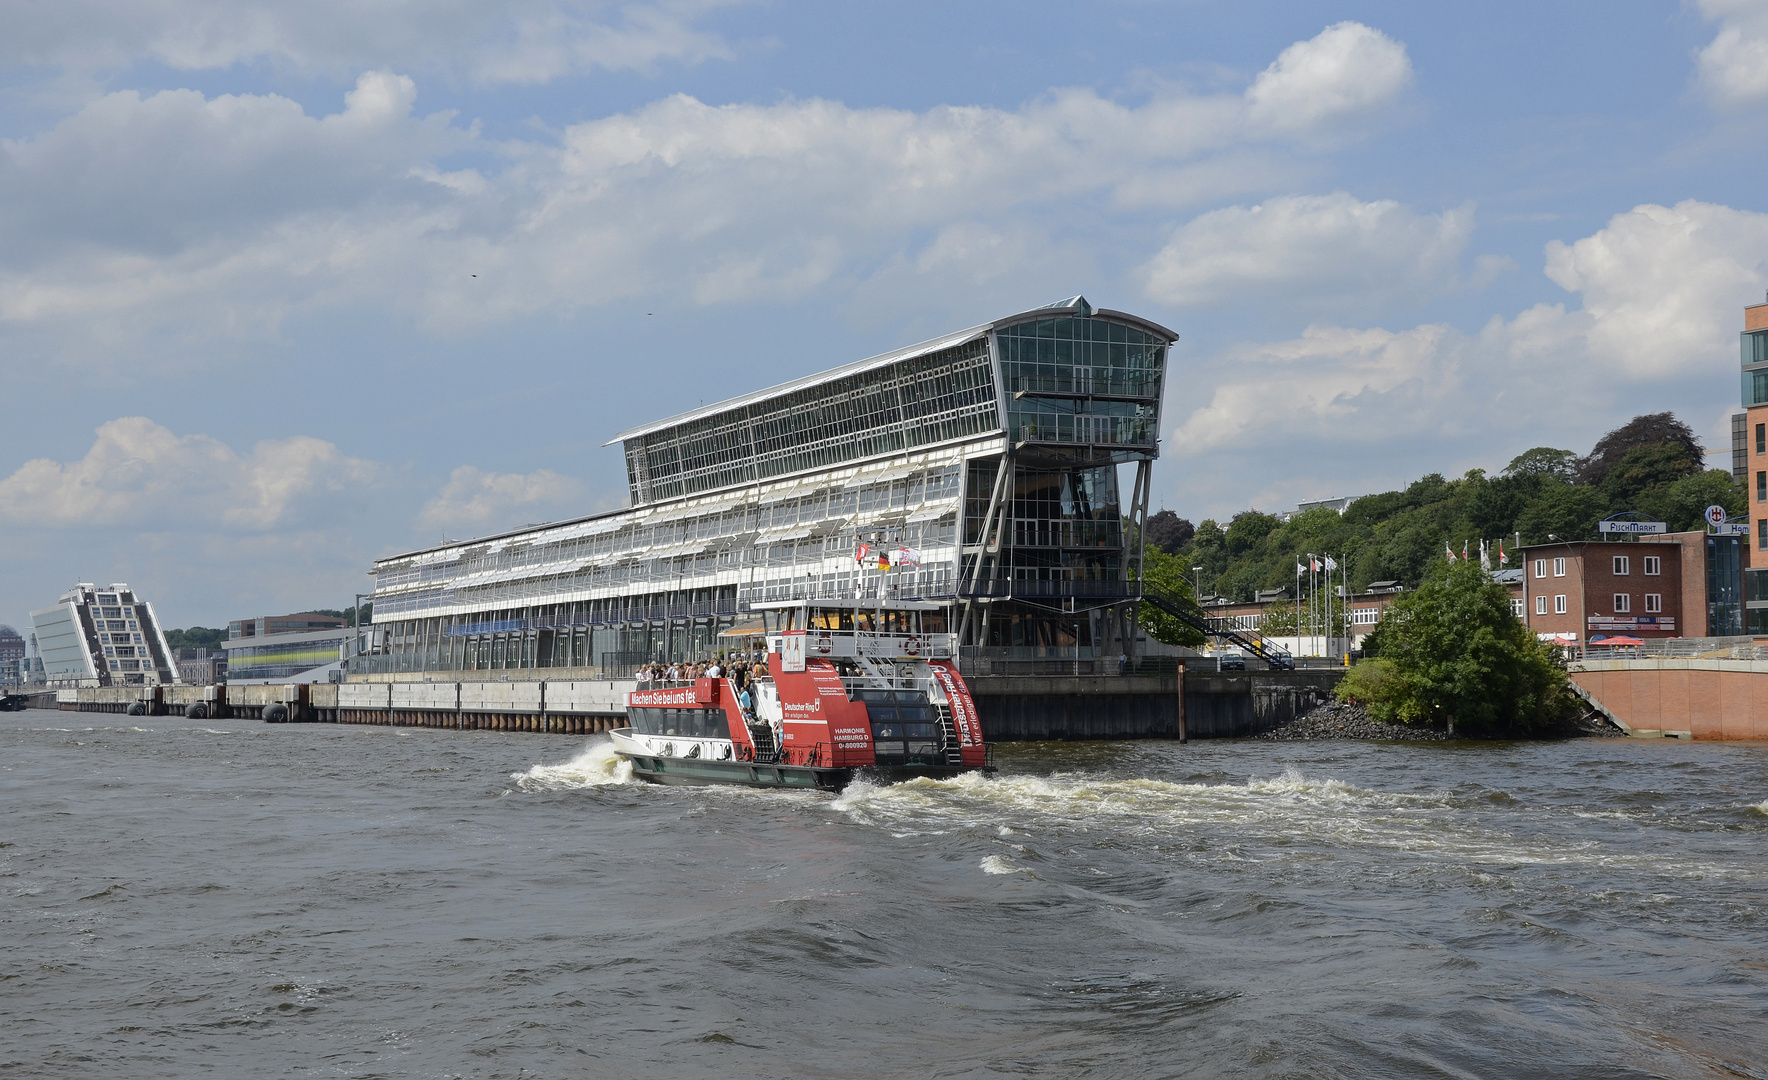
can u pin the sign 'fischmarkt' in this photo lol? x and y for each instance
(1633, 528)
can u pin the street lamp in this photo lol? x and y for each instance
(1198, 571)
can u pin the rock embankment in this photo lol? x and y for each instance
(1336, 720)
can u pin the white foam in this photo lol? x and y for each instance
(1761, 807)
(597, 766)
(1255, 816)
(996, 864)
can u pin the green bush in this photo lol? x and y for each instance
(1369, 683)
(1453, 655)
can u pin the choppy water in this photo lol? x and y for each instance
(182, 897)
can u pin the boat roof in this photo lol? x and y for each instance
(850, 605)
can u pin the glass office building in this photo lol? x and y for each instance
(985, 464)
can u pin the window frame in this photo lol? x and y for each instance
(1540, 603)
(1559, 566)
(1559, 604)
(1651, 565)
(1540, 568)
(1654, 603)
(1623, 566)
(1623, 603)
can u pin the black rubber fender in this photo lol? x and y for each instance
(196, 711)
(137, 709)
(275, 714)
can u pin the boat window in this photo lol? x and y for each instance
(831, 620)
(932, 622)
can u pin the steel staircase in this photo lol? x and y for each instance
(1186, 611)
(954, 752)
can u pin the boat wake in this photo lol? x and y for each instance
(597, 766)
(1276, 815)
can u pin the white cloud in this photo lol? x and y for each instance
(204, 217)
(1304, 248)
(1662, 290)
(1662, 286)
(1733, 68)
(1345, 70)
(1330, 381)
(139, 473)
(476, 498)
(514, 41)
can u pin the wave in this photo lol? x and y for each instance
(1265, 815)
(597, 766)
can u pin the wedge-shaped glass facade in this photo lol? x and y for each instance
(991, 455)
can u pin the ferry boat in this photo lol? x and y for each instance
(854, 688)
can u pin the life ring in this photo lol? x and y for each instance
(824, 645)
(912, 646)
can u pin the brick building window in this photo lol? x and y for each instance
(1654, 603)
(1762, 534)
(1762, 487)
(1559, 604)
(1559, 563)
(1540, 567)
(1622, 568)
(1516, 607)
(1623, 603)
(1652, 565)
(1762, 438)
(1541, 604)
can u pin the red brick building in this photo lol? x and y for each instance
(1591, 589)
(1754, 342)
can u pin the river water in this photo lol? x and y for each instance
(231, 898)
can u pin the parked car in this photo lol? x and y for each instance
(1230, 662)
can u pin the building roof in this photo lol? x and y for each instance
(1074, 305)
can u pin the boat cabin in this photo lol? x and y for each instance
(875, 629)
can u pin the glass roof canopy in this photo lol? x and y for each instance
(1061, 375)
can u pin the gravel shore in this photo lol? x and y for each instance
(1339, 721)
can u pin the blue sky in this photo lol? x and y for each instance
(284, 286)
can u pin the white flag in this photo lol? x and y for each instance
(1331, 563)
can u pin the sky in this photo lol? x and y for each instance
(285, 287)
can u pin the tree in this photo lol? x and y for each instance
(1647, 430)
(1544, 461)
(1456, 656)
(1248, 528)
(1562, 511)
(1167, 574)
(1645, 467)
(1169, 532)
(1683, 504)
(196, 637)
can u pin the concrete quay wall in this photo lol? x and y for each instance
(1226, 705)
(1680, 699)
(1013, 708)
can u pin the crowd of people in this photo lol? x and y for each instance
(739, 670)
